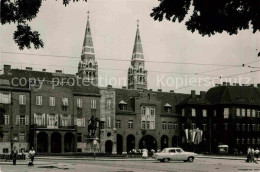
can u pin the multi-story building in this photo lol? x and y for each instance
(50, 113)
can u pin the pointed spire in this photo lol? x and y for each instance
(138, 50)
(88, 47)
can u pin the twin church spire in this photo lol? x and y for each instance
(88, 67)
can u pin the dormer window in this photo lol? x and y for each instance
(168, 108)
(122, 105)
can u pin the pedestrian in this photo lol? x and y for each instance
(14, 155)
(256, 154)
(252, 155)
(31, 157)
(248, 154)
(23, 155)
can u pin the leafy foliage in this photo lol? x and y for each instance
(21, 12)
(211, 16)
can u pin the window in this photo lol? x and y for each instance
(253, 127)
(152, 126)
(182, 126)
(6, 119)
(225, 126)
(238, 112)
(237, 141)
(238, 127)
(226, 113)
(5, 150)
(183, 112)
(248, 113)
(50, 120)
(148, 125)
(143, 110)
(79, 103)
(169, 125)
(22, 120)
(193, 126)
(39, 119)
(22, 136)
(243, 112)
(65, 120)
(248, 127)
(164, 125)
(258, 141)
(5, 98)
(204, 113)
(152, 110)
(244, 127)
(130, 124)
(143, 125)
(65, 102)
(39, 100)
(248, 141)
(205, 127)
(253, 113)
(258, 114)
(242, 141)
(253, 141)
(109, 122)
(215, 113)
(193, 112)
(79, 137)
(22, 99)
(108, 103)
(80, 122)
(93, 104)
(52, 101)
(214, 127)
(6, 137)
(175, 126)
(118, 124)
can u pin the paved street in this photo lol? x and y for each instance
(201, 164)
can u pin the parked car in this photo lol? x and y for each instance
(175, 154)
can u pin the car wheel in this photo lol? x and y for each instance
(166, 160)
(190, 159)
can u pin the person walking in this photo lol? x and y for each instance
(248, 154)
(14, 155)
(252, 155)
(256, 154)
(31, 156)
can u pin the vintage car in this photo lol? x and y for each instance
(175, 154)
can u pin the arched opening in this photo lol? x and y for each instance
(90, 65)
(69, 142)
(148, 142)
(108, 146)
(130, 141)
(56, 142)
(119, 144)
(175, 141)
(42, 142)
(141, 70)
(164, 142)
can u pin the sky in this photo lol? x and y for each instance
(113, 24)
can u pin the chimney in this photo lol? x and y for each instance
(243, 84)
(109, 86)
(159, 90)
(7, 68)
(124, 87)
(29, 68)
(193, 94)
(44, 70)
(224, 83)
(216, 85)
(151, 90)
(203, 94)
(258, 85)
(58, 71)
(171, 91)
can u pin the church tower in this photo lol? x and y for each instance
(137, 75)
(88, 67)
